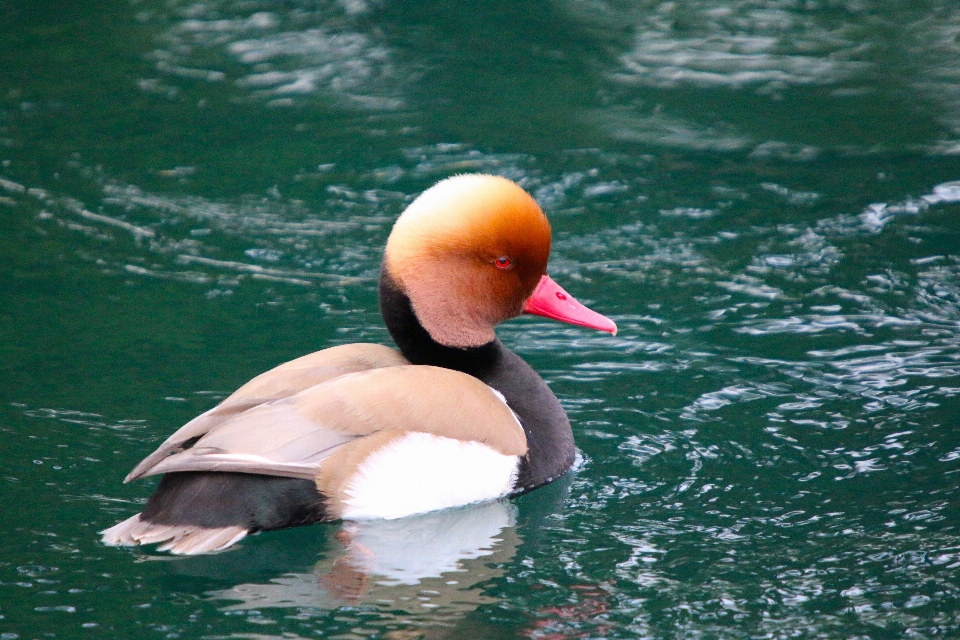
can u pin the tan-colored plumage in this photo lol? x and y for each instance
(295, 436)
(443, 402)
(282, 381)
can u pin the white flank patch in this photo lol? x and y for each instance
(422, 472)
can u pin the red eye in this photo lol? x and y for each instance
(502, 262)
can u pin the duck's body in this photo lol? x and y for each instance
(361, 430)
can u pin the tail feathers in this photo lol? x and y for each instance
(177, 539)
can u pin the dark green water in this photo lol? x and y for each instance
(759, 192)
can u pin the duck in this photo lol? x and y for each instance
(450, 418)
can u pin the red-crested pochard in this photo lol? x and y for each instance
(363, 431)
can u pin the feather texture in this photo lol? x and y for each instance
(280, 382)
(292, 436)
(177, 539)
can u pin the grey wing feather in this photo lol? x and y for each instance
(280, 382)
(292, 436)
(269, 439)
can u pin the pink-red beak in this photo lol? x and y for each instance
(551, 301)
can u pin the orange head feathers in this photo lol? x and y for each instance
(468, 252)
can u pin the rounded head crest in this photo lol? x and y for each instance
(468, 252)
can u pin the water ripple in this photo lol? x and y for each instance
(278, 56)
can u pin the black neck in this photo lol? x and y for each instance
(549, 437)
(418, 346)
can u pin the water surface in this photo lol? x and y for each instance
(763, 194)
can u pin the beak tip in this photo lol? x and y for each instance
(611, 328)
(549, 300)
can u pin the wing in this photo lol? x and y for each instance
(280, 382)
(293, 436)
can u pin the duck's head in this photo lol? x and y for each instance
(471, 252)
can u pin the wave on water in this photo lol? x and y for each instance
(281, 57)
(681, 74)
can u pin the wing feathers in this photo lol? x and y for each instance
(282, 381)
(294, 436)
(239, 463)
(315, 368)
(415, 398)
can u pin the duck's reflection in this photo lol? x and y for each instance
(434, 563)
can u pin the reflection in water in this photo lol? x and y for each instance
(433, 565)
